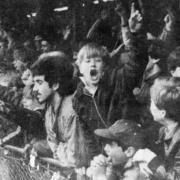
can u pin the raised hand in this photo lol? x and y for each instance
(169, 21)
(120, 10)
(135, 20)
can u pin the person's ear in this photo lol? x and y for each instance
(130, 151)
(55, 86)
(163, 113)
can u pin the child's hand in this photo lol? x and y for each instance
(169, 22)
(98, 166)
(81, 171)
(120, 9)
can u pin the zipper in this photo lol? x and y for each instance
(99, 112)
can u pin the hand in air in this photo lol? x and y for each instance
(135, 20)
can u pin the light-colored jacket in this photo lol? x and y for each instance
(64, 133)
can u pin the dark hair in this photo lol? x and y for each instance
(173, 60)
(56, 68)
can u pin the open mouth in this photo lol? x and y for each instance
(93, 72)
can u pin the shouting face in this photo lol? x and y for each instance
(92, 70)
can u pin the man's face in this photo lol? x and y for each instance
(92, 70)
(157, 113)
(115, 153)
(45, 46)
(42, 88)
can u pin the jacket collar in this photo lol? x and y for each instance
(174, 141)
(82, 90)
(55, 102)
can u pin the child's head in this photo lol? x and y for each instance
(122, 140)
(91, 61)
(165, 99)
(173, 62)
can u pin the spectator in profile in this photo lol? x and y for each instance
(121, 142)
(165, 102)
(53, 73)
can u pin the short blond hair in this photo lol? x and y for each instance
(92, 50)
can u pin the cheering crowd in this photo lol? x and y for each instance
(106, 113)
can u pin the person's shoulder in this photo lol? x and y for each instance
(67, 106)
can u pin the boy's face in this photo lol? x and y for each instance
(42, 88)
(157, 113)
(115, 153)
(92, 69)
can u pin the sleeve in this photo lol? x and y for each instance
(167, 36)
(72, 152)
(160, 172)
(93, 30)
(28, 120)
(169, 39)
(135, 60)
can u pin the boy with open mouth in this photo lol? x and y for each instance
(103, 93)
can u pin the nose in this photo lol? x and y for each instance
(35, 88)
(93, 62)
(106, 148)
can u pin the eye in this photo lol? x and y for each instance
(87, 60)
(39, 82)
(99, 60)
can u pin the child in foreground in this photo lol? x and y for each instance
(122, 141)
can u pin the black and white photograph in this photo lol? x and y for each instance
(89, 89)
